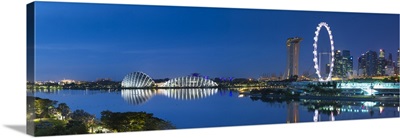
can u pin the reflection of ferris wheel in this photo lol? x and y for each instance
(316, 60)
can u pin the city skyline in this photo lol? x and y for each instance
(86, 42)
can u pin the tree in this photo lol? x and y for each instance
(65, 110)
(84, 117)
(42, 107)
(76, 127)
(133, 121)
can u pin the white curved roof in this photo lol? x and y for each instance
(190, 81)
(137, 80)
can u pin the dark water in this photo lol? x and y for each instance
(193, 108)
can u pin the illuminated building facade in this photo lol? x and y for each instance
(362, 66)
(348, 63)
(338, 64)
(293, 48)
(390, 66)
(137, 80)
(327, 68)
(368, 64)
(142, 80)
(381, 63)
(397, 68)
(343, 65)
(190, 81)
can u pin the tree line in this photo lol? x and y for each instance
(59, 119)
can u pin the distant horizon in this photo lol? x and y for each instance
(84, 41)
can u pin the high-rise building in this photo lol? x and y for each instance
(390, 60)
(368, 64)
(397, 69)
(327, 68)
(348, 63)
(293, 50)
(338, 65)
(362, 67)
(343, 65)
(390, 68)
(381, 63)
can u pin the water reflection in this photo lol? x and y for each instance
(189, 94)
(137, 96)
(332, 117)
(292, 112)
(140, 96)
(258, 109)
(315, 118)
(332, 110)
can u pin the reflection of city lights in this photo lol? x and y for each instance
(381, 109)
(139, 96)
(241, 95)
(315, 116)
(398, 109)
(370, 104)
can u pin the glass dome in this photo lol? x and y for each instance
(190, 81)
(137, 80)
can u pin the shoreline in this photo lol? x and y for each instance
(336, 98)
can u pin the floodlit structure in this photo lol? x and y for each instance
(190, 81)
(316, 60)
(137, 80)
(293, 50)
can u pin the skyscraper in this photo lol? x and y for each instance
(362, 66)
(293, 48)
(381, 63)
(390, 66)
(327, 68)
(343, 65)
(398, 62)
(390, 60)
(338, 64)
(368, 64)
(348, 63)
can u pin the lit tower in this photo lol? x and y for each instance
(293, 48)
(381, 63)
(397, 68)
(348, 63)
(390, 66)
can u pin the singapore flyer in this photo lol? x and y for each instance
(317, 68)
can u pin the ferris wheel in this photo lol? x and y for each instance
(316, 60)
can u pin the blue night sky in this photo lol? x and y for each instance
(90, 41)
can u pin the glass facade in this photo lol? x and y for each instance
(190, 81)
(137, 80)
